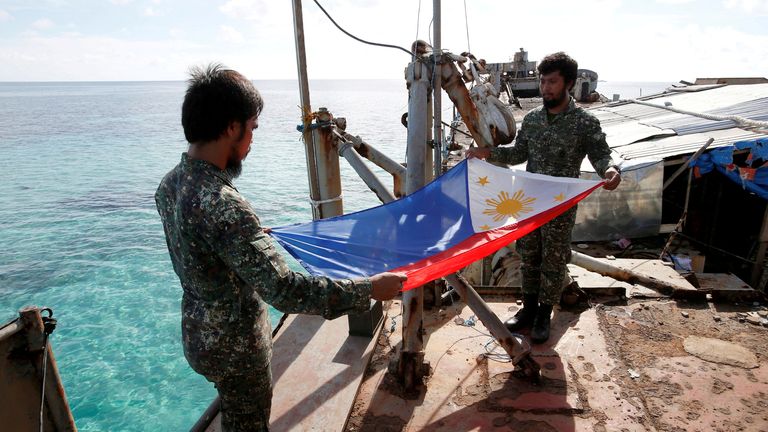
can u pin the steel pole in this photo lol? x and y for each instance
(411, 357)
(347, 150)
(306, 108)
(383, 161)
(328, 171)
(517, 349)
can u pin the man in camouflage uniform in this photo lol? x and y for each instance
(227, 264)
(553, 139)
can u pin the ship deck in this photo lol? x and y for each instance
(620, 365)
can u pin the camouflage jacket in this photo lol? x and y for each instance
(229, 268)
(557, 148)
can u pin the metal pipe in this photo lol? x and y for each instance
(10, 330)
(356, 161)
(437, 124)
(306, 107)
(605, 269)
(519, 352)
(687, 163)
(381, 160)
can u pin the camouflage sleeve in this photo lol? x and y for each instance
(598, 152)
(244, 246)
(513, 155)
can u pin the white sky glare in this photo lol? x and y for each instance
(622, 40)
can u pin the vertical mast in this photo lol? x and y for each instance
(306, 108)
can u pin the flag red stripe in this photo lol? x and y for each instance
(479, 246)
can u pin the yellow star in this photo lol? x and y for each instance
(485, 227)
(560, 197)
(482, 181)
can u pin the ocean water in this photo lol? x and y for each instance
(80, 233)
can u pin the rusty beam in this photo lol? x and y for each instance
(518, 350)
(381, 160)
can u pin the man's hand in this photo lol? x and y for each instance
(386, 285)
(478, 152)
(612, 179)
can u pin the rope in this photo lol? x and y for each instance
(318, 203)
(742, 121)
(357, 38)
(466, 24)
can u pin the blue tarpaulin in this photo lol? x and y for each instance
(753, 177)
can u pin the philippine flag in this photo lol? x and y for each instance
(468, 213)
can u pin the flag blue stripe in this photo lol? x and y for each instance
(431, 220)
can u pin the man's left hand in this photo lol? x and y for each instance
(612, 179)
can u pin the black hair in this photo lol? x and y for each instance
(217, 96)
(561, 62)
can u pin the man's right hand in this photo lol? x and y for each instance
(385, 286)
(478, 152)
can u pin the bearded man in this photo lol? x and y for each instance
(553, 139)
(227, 264)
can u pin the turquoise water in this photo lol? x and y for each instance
(80, 233)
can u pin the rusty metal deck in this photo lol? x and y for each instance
(608, 368)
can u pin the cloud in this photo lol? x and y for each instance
(120, 2)
(87, 58)
(4, 16)
(674, 2)
(151, 12)
(229, 34)
(749, 6)
(43, 24)
(176, 32)
(249, 10)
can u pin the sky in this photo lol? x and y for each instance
(147, 40)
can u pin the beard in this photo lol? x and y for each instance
(234, 167)
(552, 103)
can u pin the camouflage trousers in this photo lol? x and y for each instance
(544, 255)
(245, 401)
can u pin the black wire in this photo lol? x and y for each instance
(357, 38)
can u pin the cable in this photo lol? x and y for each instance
(418, 18)
(45, 369)
(357, 38)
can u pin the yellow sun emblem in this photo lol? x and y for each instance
(506, 206)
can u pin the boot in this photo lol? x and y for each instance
(525, 316)
(540, 330)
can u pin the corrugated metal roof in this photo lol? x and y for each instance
(684, 124)
(637, 131)
(684, 144)
(715, 98)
